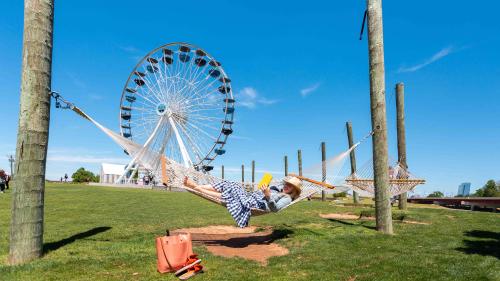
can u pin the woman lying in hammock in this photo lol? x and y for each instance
(240, 202)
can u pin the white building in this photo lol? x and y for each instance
(111, 172)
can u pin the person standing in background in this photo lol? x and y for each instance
(2, 181)
(7, 180)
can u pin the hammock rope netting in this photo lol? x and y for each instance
(150, 156)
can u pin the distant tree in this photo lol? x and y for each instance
(82, 175)
(436, 194)
(490, 189)
(340, 194)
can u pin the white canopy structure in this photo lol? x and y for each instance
(111, 172)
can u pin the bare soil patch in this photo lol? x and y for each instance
(348, 216)
(344, 217)
(415, 222)
(230, 241)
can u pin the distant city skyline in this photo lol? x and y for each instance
(464, 189)
(299, 72)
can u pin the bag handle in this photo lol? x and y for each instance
(163, 250)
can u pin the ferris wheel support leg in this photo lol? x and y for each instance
(133, 162)
(134, 171)
(185, 156)
(124, 175)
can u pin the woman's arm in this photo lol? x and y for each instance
(276, 203)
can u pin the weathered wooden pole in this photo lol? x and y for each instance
(352, 155)
(286, 165)
(253, 172)
(11, 161)
(323, 169)
(26, 229)
(400, 117)
(222, 171)
(243, 173)
(383, 210)
(299, 161)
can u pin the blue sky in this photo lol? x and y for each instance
(299, 72)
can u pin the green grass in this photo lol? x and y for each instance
(97, 233)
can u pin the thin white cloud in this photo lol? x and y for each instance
(249, 97)
(236, 137)
(129, 49)
(77, 81)
(82, 155)
(309, 90)
(85, 159)
(437, 56)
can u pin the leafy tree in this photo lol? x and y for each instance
(490, 189)
(436, 194)
(340, 194)
(82, 175)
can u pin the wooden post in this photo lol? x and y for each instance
(243, 173)
(323, 169)
(350, 141)
(253, 173)
(299, 160)
(222, 171)
(400, 116)
(26, 229)
(383, 212)
(286, 165)
(11, 161)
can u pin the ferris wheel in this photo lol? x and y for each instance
(178, 101)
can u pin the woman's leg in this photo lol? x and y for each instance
(191, 184)
(215, 194)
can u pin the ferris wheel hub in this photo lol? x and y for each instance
(161, 109)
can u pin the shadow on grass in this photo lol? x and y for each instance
(245, 240)
(352, 224)
(489, 245)
(52, 246)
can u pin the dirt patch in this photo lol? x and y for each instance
(229, 241)
(344, 217)
(335, 216)
(415, 222)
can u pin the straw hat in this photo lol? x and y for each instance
(295, 182)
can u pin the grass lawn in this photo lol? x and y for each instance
(98, 233)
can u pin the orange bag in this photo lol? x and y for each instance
(173, 251)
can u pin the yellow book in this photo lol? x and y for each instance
(266, 180)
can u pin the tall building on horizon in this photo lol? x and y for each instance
(464, 189)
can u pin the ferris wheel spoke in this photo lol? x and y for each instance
(204, 125)
(140, 94)
(194, 146)
(201, 130)
(155, 93)
(200, 143)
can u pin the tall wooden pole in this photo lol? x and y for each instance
(286, 165)
(400, 117)
(323, 169)
(222, 171)
(11, 161)
(299, 161)
(26, 230)
(243, 173)
(350, 140)
(383, 210)
(253, 172)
